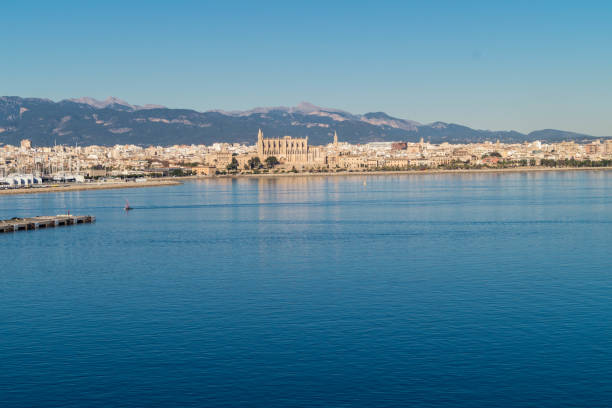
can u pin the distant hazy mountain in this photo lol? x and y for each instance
(112, 102)
(88, 121)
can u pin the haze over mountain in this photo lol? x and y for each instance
(88, 121)
(112, 101)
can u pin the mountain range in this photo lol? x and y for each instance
(88, 121)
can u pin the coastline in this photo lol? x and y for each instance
(172, 181)
(93, 186)
(410, 172)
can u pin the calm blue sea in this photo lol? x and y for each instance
(477, 290)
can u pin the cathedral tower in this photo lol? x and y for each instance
(260, 144)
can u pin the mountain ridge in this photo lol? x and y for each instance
(88, 121)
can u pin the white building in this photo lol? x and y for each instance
(20, 180)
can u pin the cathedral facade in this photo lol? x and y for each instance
(290, 150)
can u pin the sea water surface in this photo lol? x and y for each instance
(473, 290)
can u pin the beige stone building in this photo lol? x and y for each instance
(204, 170)
(398, 162)
(243, 160)
(608, 147)
(290, 150)
(352, 161)
(219, 159)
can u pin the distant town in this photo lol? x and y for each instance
(27, 165)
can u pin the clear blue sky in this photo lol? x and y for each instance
(521, 65)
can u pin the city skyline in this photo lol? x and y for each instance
(525, 67)
(25, 164)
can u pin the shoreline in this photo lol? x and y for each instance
(174, 181)
(409, 172)
(93, 186)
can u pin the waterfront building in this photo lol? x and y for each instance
(67, 162)
(593, 148)
(291, 150)
(398, 163)
(20, 180)
(204, 170)
(352, 161)
(219, 159)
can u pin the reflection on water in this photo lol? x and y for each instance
(413, 290)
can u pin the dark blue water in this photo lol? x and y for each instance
(433, 291)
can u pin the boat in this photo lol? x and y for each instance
(127, 206)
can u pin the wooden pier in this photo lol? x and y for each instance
(25, 224)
